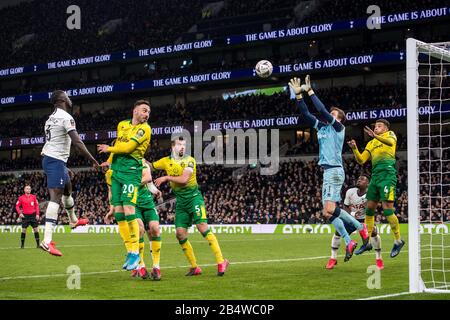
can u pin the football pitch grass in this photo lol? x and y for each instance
(262, 267)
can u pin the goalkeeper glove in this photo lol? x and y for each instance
(295, 86)
(307, 86)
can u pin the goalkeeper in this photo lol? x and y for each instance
(381, 149)
(331, 140)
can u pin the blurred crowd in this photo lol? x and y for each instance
(136, 24)
(293, 195)
(141, 27)
(215, 109)
(154, 152)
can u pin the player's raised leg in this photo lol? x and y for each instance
(124, 197)
(133, 228)
(333, 181)
(389, 213)
(57, 179)
(60, 133)
(69, 205)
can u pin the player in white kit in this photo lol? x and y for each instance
(60, 132)
(355, 202)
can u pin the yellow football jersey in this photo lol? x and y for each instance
(108, 177)
(382, 155)
(175, 168)
(141, 133)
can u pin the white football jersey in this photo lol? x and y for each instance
(57, 139)
(356, 203)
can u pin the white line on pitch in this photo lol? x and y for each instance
(173, 267)
(120, 244)
(385, 296)
(168, 267)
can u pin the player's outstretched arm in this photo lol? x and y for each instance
(147, 179)
(361, 158)
(123, 148)
(390, 140)
(320, 107)
(81, 147)
(294, 84)
(182, 180)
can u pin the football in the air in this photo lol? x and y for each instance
(264, 68)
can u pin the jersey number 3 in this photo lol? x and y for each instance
(48, 134)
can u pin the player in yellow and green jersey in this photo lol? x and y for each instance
(190, 207)
(133, 138)
(381, 149)
(148, 220)
(120, 217)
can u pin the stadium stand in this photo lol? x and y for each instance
(253, 198)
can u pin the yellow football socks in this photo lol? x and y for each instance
(214, 244)
(123, 230)
(133, 227)
(370, 220)
(141, 251)
(156, 251)
(393, 221)
(188, 252)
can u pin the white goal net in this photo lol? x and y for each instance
(428, 104)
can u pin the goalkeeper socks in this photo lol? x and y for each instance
(376, 244)
(141, 252)
(68, 204)
(393, 221)
(51, 218)
(123, 229)
(335, 244)
(340, 228)
(188, 252)
(36, 236)
(156, 251)
(22, 238)
(347, 218)
(214, 244)
(133, 227)
(370, 220)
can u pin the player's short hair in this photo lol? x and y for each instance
(341, 113)
(58, 95)
(142, 101)
(385, 122)
(365, 176)
(175, 140)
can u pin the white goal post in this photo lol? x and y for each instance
(428, 131)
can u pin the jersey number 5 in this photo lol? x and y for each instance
(200, 210)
